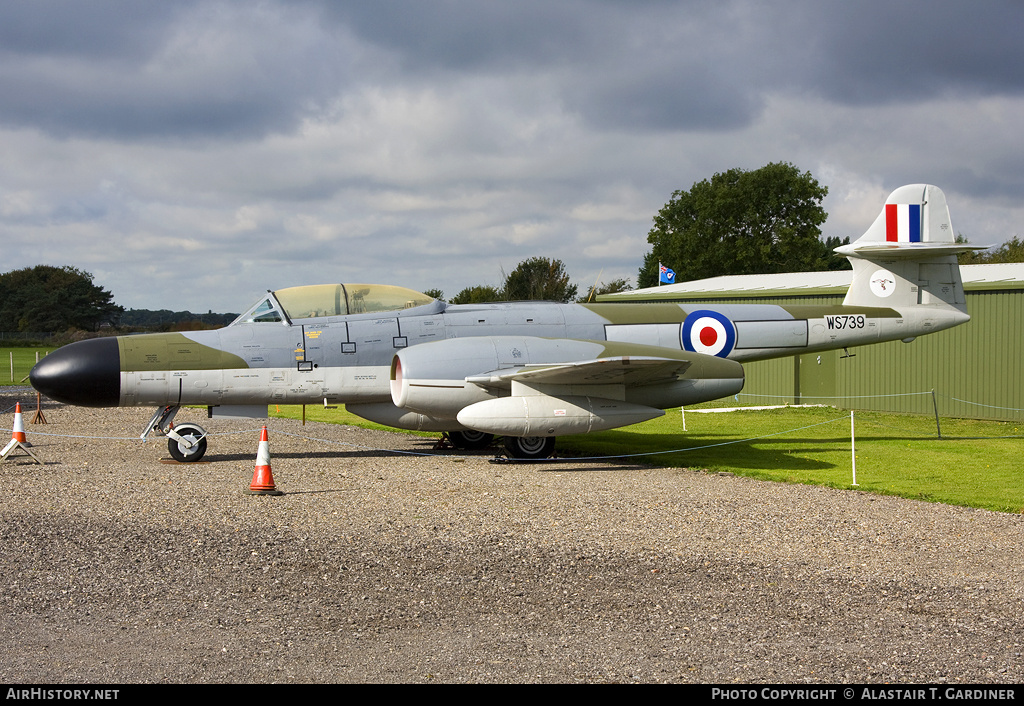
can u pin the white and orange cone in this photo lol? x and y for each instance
(18, 433)
(18, 439)
(262, 477)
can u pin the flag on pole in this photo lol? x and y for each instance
(665, 275)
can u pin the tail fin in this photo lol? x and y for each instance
(908, 255)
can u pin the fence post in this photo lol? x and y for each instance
(853, 450)
(935, 406)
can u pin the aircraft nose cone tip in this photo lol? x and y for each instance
(86, 373)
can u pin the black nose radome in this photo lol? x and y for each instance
(86, 373)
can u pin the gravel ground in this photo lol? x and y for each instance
(121, 566)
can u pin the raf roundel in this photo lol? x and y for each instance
(708, 332)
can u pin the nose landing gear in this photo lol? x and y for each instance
(190, 444)
(185, 442)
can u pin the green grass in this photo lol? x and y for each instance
(975, 463)
(24, 359)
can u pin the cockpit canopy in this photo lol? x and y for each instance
(322, 300)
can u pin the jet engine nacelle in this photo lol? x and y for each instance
(591, 385)
(432, 378)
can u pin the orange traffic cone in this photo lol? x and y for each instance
(262, 478)
(18, 440)
(19, 426)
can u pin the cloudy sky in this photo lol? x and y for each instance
(191, 154)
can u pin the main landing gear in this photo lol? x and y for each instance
(520, 447)
(530, 447)
(185, 442)
(470, 439)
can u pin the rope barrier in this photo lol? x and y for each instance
(691, 448)
(362, 446)
(826, 397)
(858, 397)
(279, 432)
(585, 458)
(989, 406)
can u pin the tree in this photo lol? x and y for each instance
(477, 295)
(434, 293)
(167, 320)
(45, 298)
(832, 260)
(618, 285)
(1010, 251)
(741, 222)
(539, 278)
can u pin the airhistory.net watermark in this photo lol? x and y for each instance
(62, 694)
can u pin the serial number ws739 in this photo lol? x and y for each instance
(843, 322)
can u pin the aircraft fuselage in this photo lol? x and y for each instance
(522, 370)
(347, 359)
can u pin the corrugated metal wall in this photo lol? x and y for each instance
(976, 370)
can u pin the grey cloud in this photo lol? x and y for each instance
(232, 69)
(448, 139)
(188, 70)
(474, 34)
(882, 52)
(102, 29)
(670, 100)
(725, 56)
(632, 65)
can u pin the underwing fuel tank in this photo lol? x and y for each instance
(543, 415)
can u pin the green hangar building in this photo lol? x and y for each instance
(975, 370)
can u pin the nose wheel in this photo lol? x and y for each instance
(186, 443)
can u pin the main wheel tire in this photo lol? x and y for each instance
(530, 447)
(180, 452)
(470, 439)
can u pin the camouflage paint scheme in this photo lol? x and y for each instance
(518, 369)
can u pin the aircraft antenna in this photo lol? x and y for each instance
(593, 290)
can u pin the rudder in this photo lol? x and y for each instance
(908, 255)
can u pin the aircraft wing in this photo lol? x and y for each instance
(537, 387)
(621, 370)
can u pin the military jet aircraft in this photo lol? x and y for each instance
(525, 371)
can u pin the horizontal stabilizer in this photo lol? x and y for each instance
(905, 250)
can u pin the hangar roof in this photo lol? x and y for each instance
(975, 278)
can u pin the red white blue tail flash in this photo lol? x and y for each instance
(903, 222)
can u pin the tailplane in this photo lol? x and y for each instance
(908, 255)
